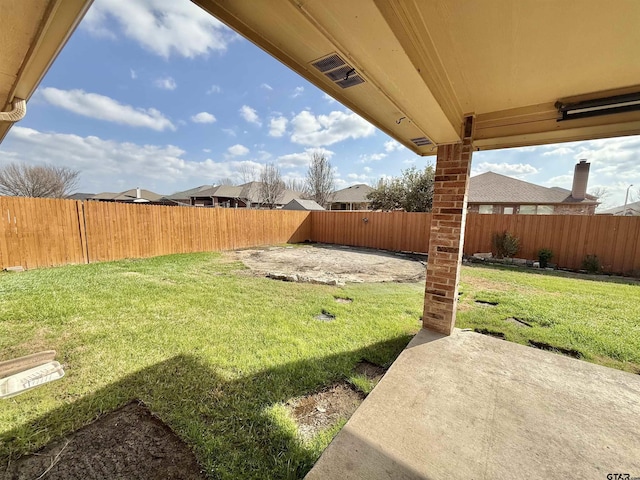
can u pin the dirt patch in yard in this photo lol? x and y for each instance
(370, 370)
(318, 411)
(345, 264)
(127, 443)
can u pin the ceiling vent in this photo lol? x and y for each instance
(338, 71)
(328, 63)
(421, 141)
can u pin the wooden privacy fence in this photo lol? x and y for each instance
(118, 230)
(615, 240)
(398, 231)
(47, 232)
(40, 232)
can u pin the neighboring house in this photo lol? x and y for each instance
(494, 193)
(80, 196)
(351, 198)
(238, 196)
(184, 197)
(300, 204)
(135, 195)
(631, 210)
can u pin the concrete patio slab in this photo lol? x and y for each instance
(469, 406)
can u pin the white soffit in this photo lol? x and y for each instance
(434, 61)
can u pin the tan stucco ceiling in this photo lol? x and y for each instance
(433, 61)
(32, 32)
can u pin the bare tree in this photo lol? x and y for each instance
(226, 181)
(22, 180)
(601, 194)
(271, 186)
(320, 180)
(295, 184)
(248, 173)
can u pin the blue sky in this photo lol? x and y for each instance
(172, 101)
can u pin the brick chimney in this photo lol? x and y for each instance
(580, 179)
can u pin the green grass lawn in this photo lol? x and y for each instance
(598, 319)
(217, 353)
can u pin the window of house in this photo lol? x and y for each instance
(545, 209)
(486, 209)
(527, 210)
(508, 210)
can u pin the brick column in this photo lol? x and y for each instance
(447, 234)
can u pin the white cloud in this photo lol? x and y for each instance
(517, 170)
(165, 83)
(301, 159)
(563, 181)
(367, 169)
(100, 107)
(528, 149)
(133, 73)
(277, 126)
(108, 165)
(229, 131)
(392, 145)
(329, 98)
(206, 150)
(323, 130)
(559, 151)
(250, 115)
(214, 89)
(371, 157)
(360, 177)
(163, 27)
(297, 92)
(409, 161)
(238, 150)
(203, 117)
(263, 155)
(266, 86)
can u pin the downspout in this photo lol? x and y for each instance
(18, 112)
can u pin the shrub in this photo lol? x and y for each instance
(544, 255)
(591, 264)
(505, 244)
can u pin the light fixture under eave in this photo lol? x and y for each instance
(599, 106)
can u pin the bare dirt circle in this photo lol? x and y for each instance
(329, 262)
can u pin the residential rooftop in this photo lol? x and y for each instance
(493, 188)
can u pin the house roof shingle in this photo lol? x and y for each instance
(353, 194)
(248, 191)
(185, 194)
(631, 209)
(128, 196)
(493, 188)
(301, 204)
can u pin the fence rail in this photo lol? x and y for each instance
(47, 232)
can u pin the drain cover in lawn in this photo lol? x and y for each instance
(127, 443)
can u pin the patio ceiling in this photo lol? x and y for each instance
(428, 63)
(32, 33)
